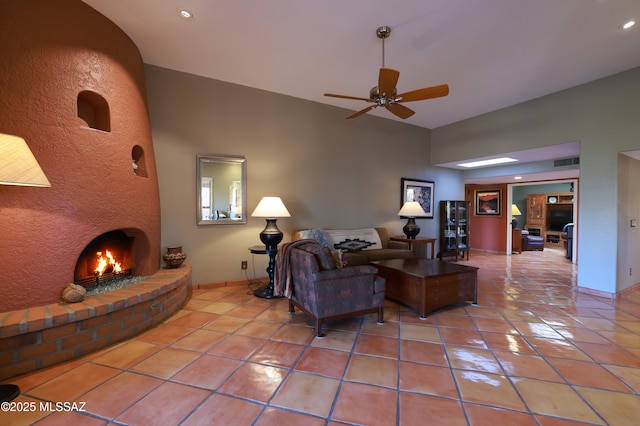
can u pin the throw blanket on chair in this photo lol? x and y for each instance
(282, 273)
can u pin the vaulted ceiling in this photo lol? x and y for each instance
(492, 53)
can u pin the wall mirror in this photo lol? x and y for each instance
(221, 184)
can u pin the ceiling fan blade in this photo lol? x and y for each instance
(362, 111)
(387, 80)
(400, 110)
(426, 93)
(347, 97)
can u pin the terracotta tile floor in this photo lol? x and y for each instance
(532, 352)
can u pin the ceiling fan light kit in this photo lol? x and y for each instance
(385, 94)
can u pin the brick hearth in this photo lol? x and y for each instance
(34, 338)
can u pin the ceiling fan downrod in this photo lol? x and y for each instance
(385, 94)
(382, 33)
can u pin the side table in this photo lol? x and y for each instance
(516, 240)
(417, 244)
(266, 292)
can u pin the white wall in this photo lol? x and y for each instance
(603, 116)
(628, 209)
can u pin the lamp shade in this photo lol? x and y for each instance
(411, 209)
(271, 207)
(514, 210)
(18, 166)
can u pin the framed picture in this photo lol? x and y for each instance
(421, 191)
(488, 202)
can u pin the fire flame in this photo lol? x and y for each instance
(107, 264)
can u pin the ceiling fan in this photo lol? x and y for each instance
(385, 93)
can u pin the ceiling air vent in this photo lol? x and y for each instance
(566, 162)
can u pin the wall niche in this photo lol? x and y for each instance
(138, 161)
(93, 109)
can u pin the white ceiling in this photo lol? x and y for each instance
(507, 173)
(491, 53)
(565, 150)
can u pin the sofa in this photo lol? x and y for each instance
(308, 276)
(358, 246)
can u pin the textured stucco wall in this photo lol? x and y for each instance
(50, 52)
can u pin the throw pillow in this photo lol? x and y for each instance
(368, 235)
(354, 245)
(339, 258)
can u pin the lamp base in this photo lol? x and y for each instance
(271, 236)
(265, 292)
(411, 229)
(8, 392)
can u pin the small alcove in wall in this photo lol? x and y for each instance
(93, 109)
(138, 161)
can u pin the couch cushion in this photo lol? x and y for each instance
(356, 259)
(339, 258)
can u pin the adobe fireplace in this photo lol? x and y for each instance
(75, 91)
(79, 101)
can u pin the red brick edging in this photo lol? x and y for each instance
(38, 337)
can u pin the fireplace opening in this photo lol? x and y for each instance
(107, 258)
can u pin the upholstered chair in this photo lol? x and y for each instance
(324, 291)
(532, 242)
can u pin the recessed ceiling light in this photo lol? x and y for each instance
(517, 177)
(490, 162)
(628, 25)
(185, 14)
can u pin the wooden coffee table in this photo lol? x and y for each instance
(427, 284)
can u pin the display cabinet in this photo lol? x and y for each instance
(454, 229)
(535, 209)
(547, 215)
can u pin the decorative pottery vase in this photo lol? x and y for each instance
(174, 256)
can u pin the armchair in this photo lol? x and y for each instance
(532, 242)
(327, 293)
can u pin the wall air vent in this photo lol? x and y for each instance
(566, 162)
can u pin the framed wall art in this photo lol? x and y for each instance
(488, 202)
(418, 190)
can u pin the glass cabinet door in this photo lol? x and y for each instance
(450, 226)
(454, 229)
(463, 225)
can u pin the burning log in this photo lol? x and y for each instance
(99, 280)
(106, 264)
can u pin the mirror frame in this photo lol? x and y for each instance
(226, 159)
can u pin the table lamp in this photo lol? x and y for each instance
(411, 210)
(271, 208)
(514, 212)
(18, 166)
